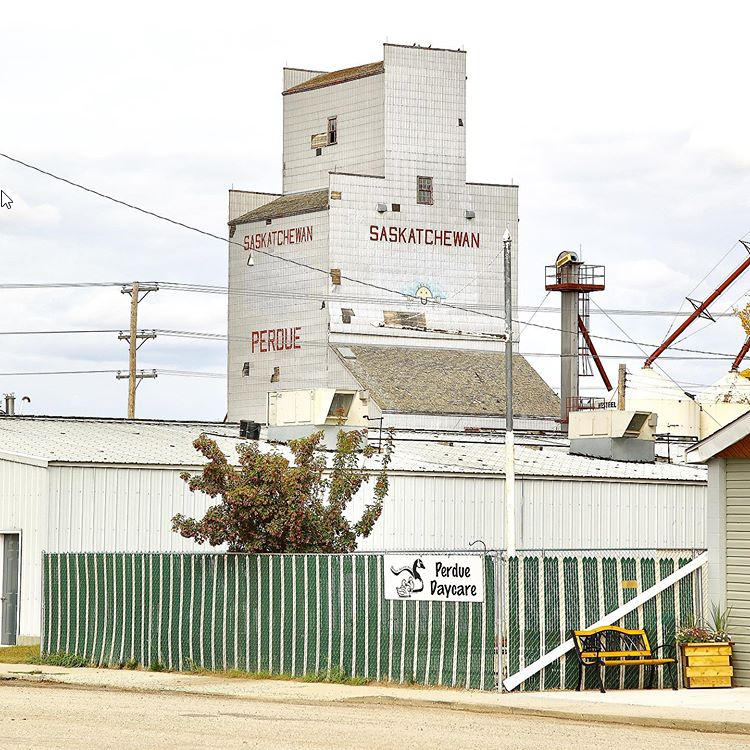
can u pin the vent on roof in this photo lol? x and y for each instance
(341, 403)
(249, 430)
(612, 434)
(400, 318)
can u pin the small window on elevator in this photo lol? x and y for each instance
(332, 131)
(424, 190)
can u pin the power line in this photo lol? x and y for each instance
(300, 264)
(486, 336)
(181, 373)
(59, 284)
(281, 294)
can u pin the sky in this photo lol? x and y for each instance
(625, 127)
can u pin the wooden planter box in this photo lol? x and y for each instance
(707, 665)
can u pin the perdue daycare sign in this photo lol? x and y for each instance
(438, 578)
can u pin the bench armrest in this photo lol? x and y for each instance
(666, 647)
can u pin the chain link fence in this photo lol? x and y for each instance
(278, 614)
(301, 615)
(547, 595)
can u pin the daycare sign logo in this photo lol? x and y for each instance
(438, 578)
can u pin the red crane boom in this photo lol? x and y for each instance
(702, 307)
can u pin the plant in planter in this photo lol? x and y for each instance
(707, 651)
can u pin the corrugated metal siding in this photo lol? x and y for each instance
(430, 513)
(610, 515)
(22, 492)
(436, 512)
(738, 564)
(97, 509)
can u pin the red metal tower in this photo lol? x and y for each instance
(575, 281)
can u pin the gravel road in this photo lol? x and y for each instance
(46, 716)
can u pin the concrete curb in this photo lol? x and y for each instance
(631, 715)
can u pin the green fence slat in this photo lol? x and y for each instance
(359, 632)
(491, 638)
(450, 644)
(531, 632)
(298, 630)
(514, 612)
(373, 594)
(553, 634)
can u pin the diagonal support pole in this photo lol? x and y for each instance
(590, 344)
(515, 680)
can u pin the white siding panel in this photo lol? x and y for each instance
(22, 492)
(738, 563)
(97, 509)
(442, 512)
(610, 515)
(431, 513)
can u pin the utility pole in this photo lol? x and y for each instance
(621, 387)
(510, 466)
(137, 292)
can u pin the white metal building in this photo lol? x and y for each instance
(71, 484)
(374, 190)
(91, 485)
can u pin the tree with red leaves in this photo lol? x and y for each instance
(269, 504)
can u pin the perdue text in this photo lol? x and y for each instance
(275, 339)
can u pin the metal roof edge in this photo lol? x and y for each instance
(254, 192)
(116, 420)
(62, 463)
(493, 184)
(477, 474)
(722, 439)
(420, 47)
(23, 458)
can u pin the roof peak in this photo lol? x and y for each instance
(337, 76)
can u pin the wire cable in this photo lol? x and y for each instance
(298, 263)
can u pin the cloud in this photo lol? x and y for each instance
(22, 217)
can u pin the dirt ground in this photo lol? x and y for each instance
(46, 716)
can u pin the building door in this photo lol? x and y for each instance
(9, 597)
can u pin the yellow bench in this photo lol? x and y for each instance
(612, 646)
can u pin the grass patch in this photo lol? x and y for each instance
(61, 659)
(238, 674)
(335, 675)
(30, 655)
(19, 655)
